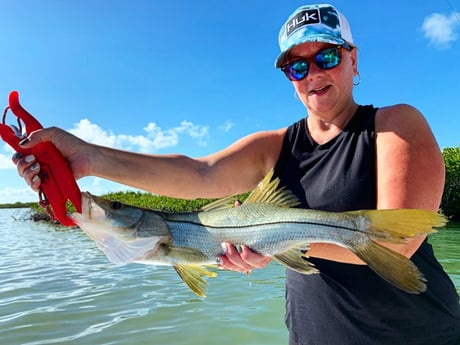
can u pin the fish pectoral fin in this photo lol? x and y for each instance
(123, 252)
(295, 260)
(192, 275)
(392, 266)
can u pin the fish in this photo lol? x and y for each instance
(269, 222)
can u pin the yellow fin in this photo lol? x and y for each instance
(267, 191)
(192, 276)
(392, 266)
(397, 224)
(220, 204)
(295, 260)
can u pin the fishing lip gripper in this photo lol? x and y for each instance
(58, 185)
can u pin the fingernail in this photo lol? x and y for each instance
(35, 166)
(224, 247)
(17, 156)
(239, 248)
(35, 178)
(29, 158)
(24, 141)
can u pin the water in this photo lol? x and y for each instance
(57, 288)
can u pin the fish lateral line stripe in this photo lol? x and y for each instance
(264, 224)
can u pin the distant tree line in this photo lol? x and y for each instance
(450, 204)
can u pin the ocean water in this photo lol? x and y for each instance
(56, 287)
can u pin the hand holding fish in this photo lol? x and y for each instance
(243, 260)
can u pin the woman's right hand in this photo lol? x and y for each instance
(74, 150)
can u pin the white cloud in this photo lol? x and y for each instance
(6, 162)
(154, 139)
(5, 158)
(226, 126)
(440, 29)
(93, 133)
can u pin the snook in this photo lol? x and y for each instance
(267, 222)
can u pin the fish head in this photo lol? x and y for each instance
(108, 216)
(124, 233)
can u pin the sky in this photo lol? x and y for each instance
(192, 77)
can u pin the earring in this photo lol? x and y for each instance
(296, 96)
(358, 81)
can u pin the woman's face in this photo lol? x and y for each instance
(325, 91)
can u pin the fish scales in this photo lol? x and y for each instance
(262, 227)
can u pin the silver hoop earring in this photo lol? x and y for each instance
(296, 96)
(358, 81)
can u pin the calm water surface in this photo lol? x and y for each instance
(57, 288)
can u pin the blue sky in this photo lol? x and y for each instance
(191, 77)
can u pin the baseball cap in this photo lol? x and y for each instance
(313, 23)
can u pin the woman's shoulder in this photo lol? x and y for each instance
(401, 119)
(397, 114)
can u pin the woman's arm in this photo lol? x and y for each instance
(236, 169)
(410, 173)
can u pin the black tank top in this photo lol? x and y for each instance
(345, 303)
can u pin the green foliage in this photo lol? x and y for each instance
(156, 202)
(451, 198)
(18, 205)
(138, 199)
(163, 203)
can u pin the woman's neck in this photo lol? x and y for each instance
(324, 128)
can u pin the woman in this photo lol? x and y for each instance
(341, 157)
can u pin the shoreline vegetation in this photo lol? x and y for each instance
(139, 199)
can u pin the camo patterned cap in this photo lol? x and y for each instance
(313, 23)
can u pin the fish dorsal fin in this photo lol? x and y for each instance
(269, 192)
(266, 192)
(220, 204)
(192, 275)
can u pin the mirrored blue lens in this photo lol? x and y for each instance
(325, 59)
(297, 70)
(328, 58)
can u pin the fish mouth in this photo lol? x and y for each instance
(89, 207)
(86, 204)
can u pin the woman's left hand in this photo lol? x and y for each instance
(242, 259)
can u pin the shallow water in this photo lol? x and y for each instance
(56, 287)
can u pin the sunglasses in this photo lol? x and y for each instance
(325, 59)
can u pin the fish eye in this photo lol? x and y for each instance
(116, 205)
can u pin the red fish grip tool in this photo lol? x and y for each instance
(58, 184)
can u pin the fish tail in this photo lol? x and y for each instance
(395, 226)
(398, 224)
(392, 266)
